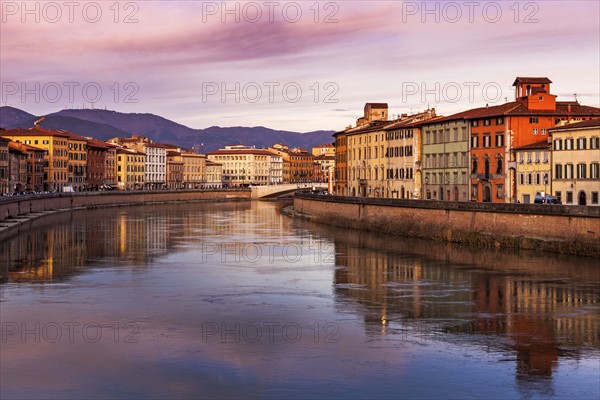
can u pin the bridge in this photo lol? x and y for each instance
(259, 192)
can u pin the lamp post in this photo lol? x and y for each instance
(426, 180)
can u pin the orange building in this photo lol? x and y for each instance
(496, 131)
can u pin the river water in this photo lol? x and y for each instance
(239, 301)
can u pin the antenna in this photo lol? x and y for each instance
(575, 95)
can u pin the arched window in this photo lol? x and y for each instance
(474, 163)
(486, 166)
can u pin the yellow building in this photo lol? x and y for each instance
(243, 165)
(324, 150)
(130, 169)
(77, 176)
(214, 174)
(533, 171)
(56, 145)
(194, 170)
(576, 162)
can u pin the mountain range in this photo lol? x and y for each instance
(106, 124)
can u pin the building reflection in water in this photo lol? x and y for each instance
(60, 245)
(534, 308)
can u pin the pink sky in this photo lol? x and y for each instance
(175, 58)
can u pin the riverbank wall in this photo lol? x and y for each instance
(16, 212)
(553, 228)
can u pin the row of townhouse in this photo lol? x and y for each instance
(58, 160)
(39, 159)
(278, 164)
(474, 155)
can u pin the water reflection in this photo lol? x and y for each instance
(426, 319)
(539, 308)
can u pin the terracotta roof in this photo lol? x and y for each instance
(544, 145)
(590, 123)
(33, 132)
(531, 79)
(212, 163)
(517, 108)
(248, 151)
(378, 105)
(72, 136)
(14, 147)
(324, 157)
(126, 150)
(323, 146)
(372, 127)
(97, 143)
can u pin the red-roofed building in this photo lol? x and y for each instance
(4, 171)
(96, 163)
(56, 159)
(496, 131)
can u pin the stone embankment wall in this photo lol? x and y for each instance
(17, 211)
(555, 228)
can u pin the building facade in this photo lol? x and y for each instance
(214, 174)
(576, 162)
(130, 169)
(445, 159)
(242, 165)
(4, 171)
(533, 171)
(56, 147)
(194, 170)
(174, 170)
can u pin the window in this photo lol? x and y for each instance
(486, 122)
(529, 179)
(569, 144)
(534, 120)
(499, 165)
(500, 121)
(474, 170)
(499, 140)
(558, 171)
(474, 141)
(558, 194)
(557, 144)
(486, 141)
(500, 191)
(594, 143)
(569, 197)
(544, 131)
(464, 134)
(594, 170)
(521, 179)
(569, 171)
(581, 171)
(474, 123)
(535, 131)
(581, 143)
(546, 157)
(594, 197)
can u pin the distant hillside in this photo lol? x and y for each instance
(104, 124)
(11, 117)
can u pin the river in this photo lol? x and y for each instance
(235, 300)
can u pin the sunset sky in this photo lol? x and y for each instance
(174, 58)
